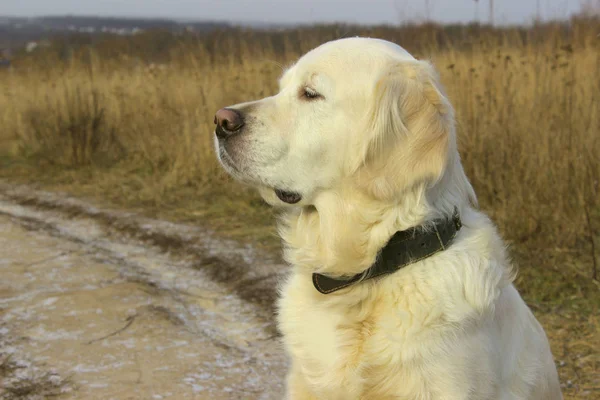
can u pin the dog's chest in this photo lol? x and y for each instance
(329, 345)
(309, 330)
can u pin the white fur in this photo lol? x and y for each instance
(374, 155)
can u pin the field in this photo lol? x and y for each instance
(129, 121)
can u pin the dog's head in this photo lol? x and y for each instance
(359, 112)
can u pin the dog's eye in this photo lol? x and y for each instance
(310, 94)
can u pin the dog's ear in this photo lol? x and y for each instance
(410, 128)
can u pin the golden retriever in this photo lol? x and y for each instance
(359, 144)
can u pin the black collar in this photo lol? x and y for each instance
(404, 248)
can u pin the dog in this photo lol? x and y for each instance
(400, 288)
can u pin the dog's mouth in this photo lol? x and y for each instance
(227, 161)
(288, 197)
(285, 196)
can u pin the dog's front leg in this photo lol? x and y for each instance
(297, 388)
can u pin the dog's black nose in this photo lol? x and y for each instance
(228, 122)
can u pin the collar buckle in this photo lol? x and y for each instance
(456, 219)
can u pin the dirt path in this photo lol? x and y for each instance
(92, 314)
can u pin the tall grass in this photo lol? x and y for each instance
(527, 103)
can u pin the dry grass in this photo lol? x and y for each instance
(23, 380)
(528, 119)
(528, 107)
(33, 387)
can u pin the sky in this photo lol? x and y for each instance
(300, 11)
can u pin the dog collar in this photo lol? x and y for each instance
(404, 248)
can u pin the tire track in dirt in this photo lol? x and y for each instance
(219, 293)
(242, 270)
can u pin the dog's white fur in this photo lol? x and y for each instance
(374, 154)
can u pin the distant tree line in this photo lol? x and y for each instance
(209, 45)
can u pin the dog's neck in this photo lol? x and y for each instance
(342, 234)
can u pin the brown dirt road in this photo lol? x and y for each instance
(89, 311)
